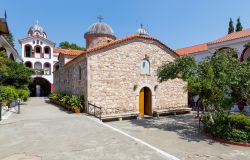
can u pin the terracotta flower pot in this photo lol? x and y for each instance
(77, 110)
(4, 103)
(68, 107)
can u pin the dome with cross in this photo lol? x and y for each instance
(37, 30)
(99, 33)
(100, 28)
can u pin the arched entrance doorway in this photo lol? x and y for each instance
(40, 87)
(145, 102)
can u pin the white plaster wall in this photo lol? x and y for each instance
(201, 56)
(51, 60)
(238, 44)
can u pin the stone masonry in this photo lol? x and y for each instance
(111, 77)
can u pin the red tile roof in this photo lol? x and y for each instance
(120, 41)
(123, 40)
(69, 52)
(232, 36)
(204, 46)
(193, 49)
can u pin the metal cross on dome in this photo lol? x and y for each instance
(141, 26)
(37, 22)
(100, 18)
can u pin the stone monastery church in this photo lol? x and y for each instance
(120, 75)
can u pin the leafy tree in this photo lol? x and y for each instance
(238, 25)
(215, 79)
(67, 45)
(13, 73)
(230, 26)
(3, 57)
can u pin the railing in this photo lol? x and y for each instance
(94, 110)
(40, 71)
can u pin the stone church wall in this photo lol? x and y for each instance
(115, 78)
(68, 79)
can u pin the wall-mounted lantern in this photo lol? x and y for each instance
(155, 88)
(135, 87)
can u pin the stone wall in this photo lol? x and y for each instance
(67, 78)
(115, 78)
(93, 40)
(56, 81)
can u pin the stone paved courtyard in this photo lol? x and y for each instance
(179, 135)
(45, 131)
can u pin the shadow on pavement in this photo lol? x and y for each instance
(185, 126)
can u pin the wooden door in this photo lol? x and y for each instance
(148, 97)
(141, 102)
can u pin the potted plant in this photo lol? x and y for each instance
(76, 103)
(65, 101)
(53, 97)
(59, 98)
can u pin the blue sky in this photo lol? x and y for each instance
(176, 23)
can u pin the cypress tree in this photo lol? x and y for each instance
(238, 25)
(231, 26)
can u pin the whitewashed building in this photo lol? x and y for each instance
(5, 44)
(235, 40)
(38, 54)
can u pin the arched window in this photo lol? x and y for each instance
(47, 52)
(28, 64)
(47, 68)
(245, 56)
(145, 66)
(38, 68)
(80, 73)
(38, 51)
(27, 51)
(38, 65)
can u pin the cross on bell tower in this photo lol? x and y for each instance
(100, 18)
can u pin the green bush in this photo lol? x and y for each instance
(3, 95)
(54, 96)
(248, 137)
(8, 93)
(234, 127)
(236, 135)
(23, 94)
(239, 121)
(76, 102)
(219, 125)
(65, 99)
